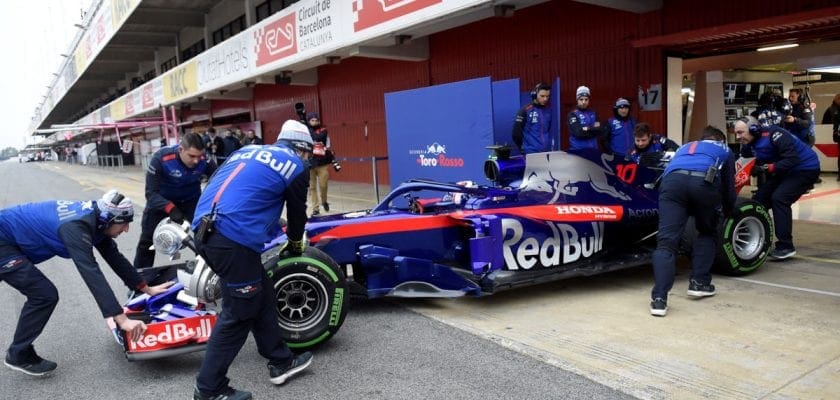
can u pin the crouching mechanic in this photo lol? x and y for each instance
(648, 149)
(173, 185)
(248, 190)
(35, 232)
(698, 182)
(791, 169)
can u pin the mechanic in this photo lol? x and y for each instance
(230, 225)
(621, 127)
(770, 109)
(532, 131)
(791, 169)
(322, 158)
(648, 148)
(173, 184)
(800, 121)
(35, 232)
(832, 116)
(584, 127)
(698, 182)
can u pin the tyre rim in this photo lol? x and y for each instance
(301, 301)
(748, 238)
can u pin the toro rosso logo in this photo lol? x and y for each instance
(435, 156)
(565, 245)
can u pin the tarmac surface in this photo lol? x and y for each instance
(769, 335)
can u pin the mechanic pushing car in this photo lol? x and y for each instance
(698, 182)
(35, 232)
(791, 168)
(173, 185)
(230, 230)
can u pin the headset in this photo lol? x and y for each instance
(752, 126)
(537, 88)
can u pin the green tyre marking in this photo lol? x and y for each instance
(312, 342)
(317, 263)
(335, 313)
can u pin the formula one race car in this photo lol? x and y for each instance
(547, 216)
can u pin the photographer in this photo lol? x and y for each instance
(322, 157)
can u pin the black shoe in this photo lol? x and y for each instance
(658, 307)
(781, 254)
(819, 180)
(279, 375)
(40, 367)
(230, 394)
(326, 206)
(315, 213)
(699, 290)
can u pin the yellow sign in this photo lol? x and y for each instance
(120, 10)
(118, 109)
(181, 82)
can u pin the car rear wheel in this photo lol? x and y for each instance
(744, 240)
(311, 297)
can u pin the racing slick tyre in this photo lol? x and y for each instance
(744, 240)
(311, 297)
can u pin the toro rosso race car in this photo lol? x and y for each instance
(546, 216)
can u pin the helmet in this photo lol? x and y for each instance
(295, 135)
(582, 91)
(114, 208)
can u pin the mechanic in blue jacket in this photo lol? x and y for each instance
(648, 148)
(173, 185)
(621, 126)
(35, 232)
(698, 182)
(244, 200)
(532, 130)
(791, 168)
(584, 127)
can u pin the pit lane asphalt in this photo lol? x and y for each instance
(383, 351)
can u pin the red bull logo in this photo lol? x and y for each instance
(565, 245)
(171, 334)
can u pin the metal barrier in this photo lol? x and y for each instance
(373, 161)
(106, 161)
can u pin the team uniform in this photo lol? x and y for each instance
(532, 129)
(169, 185)
(583, 138)
(690, 188)
(658, 144)
(35, 232)
(247, 195)
(803, 124)
(792, 168)
(621, 134)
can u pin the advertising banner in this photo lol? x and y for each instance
(440, 132)
(181, 82)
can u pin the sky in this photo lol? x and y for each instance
(34, 35)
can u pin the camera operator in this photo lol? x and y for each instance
(322, 157)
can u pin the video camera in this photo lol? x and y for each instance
(300, 110)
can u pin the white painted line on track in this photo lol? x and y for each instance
(835, 294)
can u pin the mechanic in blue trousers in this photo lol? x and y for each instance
(173, 185)
(791, 169)
(648, 148)
(35, 232)
(584, 127)
(230, 225)
(621, 126)
(532, 130)
(698, 182)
